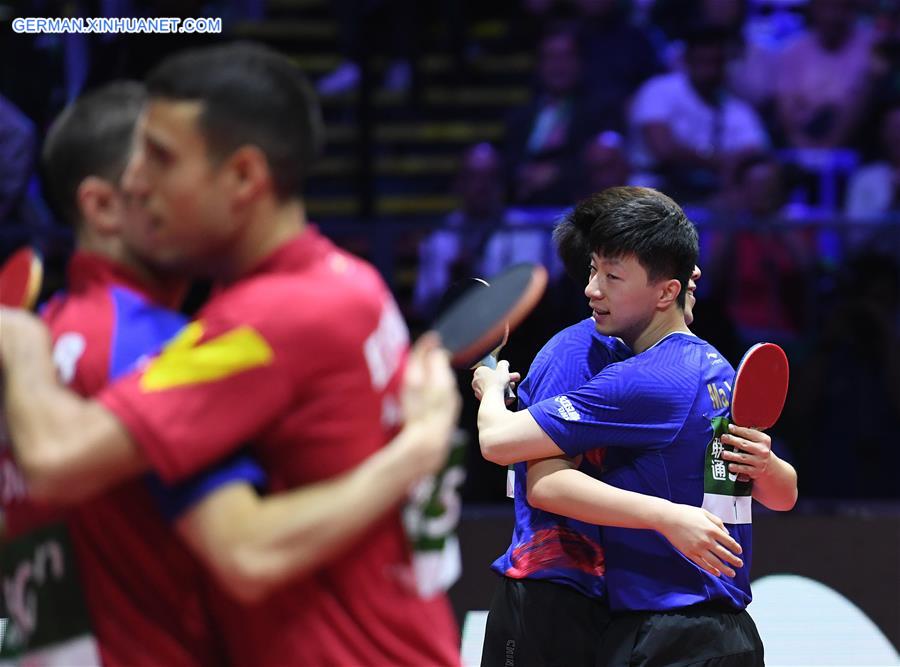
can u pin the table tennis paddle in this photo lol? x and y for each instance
(475, 323)
(20, 279)
(760, 388)
(456, 291)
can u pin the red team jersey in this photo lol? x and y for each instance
(144, 591)
(303, 357)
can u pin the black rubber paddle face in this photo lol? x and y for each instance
(475, 322)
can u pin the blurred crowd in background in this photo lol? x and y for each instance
(460, 131)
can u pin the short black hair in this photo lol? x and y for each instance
(573, 249)
(250, 95)
(643, 222)
(91, 137)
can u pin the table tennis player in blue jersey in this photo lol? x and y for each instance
(655, 411)
(549, 606)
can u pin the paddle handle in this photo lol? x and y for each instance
(491, 362)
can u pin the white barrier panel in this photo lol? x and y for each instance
(804, 622)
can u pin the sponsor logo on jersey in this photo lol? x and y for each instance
(566, 410)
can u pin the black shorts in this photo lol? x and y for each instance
(534, 622)
(704, 635)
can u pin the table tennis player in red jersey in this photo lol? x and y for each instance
(131, 604)
(300, 352)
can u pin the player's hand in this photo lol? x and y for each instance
(431, 403)
(703, 538)
(754, 452)
(21, 336)
(493, 379)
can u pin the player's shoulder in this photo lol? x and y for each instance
(335, 289)
(695, 357)
(90, 312)
(674, 361)
(714, 362)
(81, 326)
(578, 334)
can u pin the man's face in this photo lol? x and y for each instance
(623, 301)
(559, 66)
(480, 184)
(606, 167)
(764, 189)
(180, 203)
(706, 67)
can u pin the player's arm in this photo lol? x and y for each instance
(774, 479)
(556, 485)
(254, 544)
(69, 448)
(507, 437)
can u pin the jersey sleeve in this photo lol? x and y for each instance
(174, 500)
(619, 407)
(211, 389)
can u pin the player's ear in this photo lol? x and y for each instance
(668, 292)
(247, 173)
(100, 205)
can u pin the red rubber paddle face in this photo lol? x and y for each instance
(20, 279)
(760, 387)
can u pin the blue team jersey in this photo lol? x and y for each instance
(544, 545)
(663, 411)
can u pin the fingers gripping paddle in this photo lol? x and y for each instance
(760, 388)
(20, 279)
(474, 324)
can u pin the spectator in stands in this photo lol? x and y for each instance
(874, 190)
(604, 164)
(758, 267)
(824, 79)
(687, 126)
(545, 137)
(482, 236)
(455, 251)
(619, 56)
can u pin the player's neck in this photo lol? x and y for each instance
(662, 324)
(114, 249)
(270, 225)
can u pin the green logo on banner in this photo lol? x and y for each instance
(716, 477)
